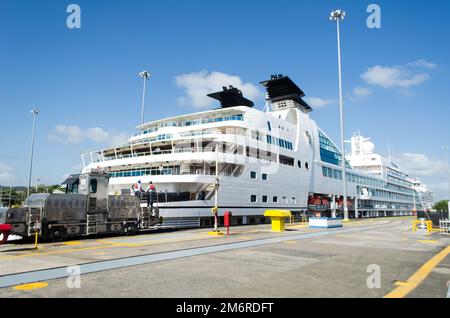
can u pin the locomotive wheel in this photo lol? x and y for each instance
(129, 229)
(57, 234)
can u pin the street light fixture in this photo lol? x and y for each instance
(34, 112)
(145, 75)
(337, 16)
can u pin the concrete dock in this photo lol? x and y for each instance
(367, 258)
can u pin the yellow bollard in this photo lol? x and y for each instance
(414, 225)
(277, 217)
(36, 240)
(428, 223)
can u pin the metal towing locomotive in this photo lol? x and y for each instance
(85, 209)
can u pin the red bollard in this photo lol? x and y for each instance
(227, 221)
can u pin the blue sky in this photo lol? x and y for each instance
(85, 81)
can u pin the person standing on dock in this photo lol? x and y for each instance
(151, 194)
(137, 188)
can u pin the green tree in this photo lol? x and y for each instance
(441, 206)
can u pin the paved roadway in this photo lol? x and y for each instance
(252, 262)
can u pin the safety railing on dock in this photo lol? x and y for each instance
(444, 226)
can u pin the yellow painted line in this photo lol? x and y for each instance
(105, 245)
(55, 252)
(290, 242)
(215, 233)
(428, 241)
(72, 243)
(152, 242)
(244, 238)
(417, 278)
(31, 286)
(400, 283)
(298, 226)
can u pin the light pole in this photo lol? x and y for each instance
(445, 148)
(10, 194)
(338, 15)
(216, 189)
(145, 75)
(34, 112)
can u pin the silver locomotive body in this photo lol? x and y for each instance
(86, 208)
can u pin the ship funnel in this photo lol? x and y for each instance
(284, 93)
(230, 97)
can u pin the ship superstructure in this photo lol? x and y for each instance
(424, 195)
(275, 159)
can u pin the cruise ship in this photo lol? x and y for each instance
(277, 158)
(425, 196)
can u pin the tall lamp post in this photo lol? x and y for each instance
(34, 112)
(145, 75)
(10, 194)
(445, 148)
(337, 16)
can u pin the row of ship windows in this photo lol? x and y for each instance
(157, 138)
(385, 194)
(337, 174)
(272, 140)
(397, 180)
(279, 142)
(239, 117)
(396, 173)
(399, 188)
(265, 199)
(253, 175)
(156, 171)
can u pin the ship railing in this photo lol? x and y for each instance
(231, 150)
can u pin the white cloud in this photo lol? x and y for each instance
(198, 85)
(423, 63)
(433, 173)
(421, 165)
(395, 76)
(6, 173)
(361, 92)
(97, 134)
(74, 134)
(317, 102)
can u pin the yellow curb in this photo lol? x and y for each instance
(428, 241)
(215, 233)
(418, 277)
(31, 286)
(72, 243)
